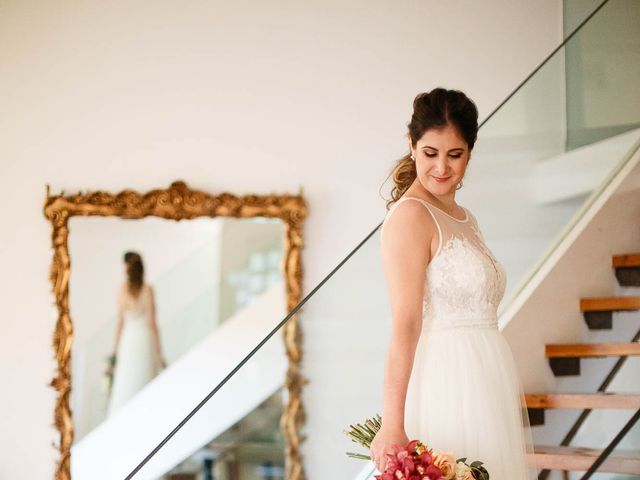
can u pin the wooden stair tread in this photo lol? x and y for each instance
(582, 400)
(592, 304)
(626, 260)
(581, 458)
(591, 349)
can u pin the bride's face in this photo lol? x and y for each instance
(441, 159)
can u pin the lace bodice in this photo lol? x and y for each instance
(464, 282)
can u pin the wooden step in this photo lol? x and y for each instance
(536, 403)
(580, 459)
(564, 359)
(609, 303)
(598, 311)
(591, 349)
(583, 400)
(626, 260)
(627, 269)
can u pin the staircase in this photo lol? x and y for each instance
(564, 360)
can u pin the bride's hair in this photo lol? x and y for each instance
(435, 109)
(135, 272)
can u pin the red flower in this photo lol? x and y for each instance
(413, 462)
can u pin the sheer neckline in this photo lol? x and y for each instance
(466, 212)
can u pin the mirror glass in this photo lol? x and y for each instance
(147, 296)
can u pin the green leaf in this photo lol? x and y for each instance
(359, 456)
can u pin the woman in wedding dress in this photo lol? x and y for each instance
(450, 379)
(138, 356)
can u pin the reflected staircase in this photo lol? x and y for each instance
(162, 402)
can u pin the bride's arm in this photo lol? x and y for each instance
(405, 252)
(154, 328)
(119, 321)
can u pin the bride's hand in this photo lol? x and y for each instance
(381, 445)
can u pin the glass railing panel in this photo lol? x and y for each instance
(575, 11)
(349, 320)
(546, 153)
(602, 65)
(526, 184)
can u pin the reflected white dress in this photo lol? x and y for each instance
(464, 394)
(136, 364)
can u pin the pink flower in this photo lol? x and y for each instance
(413, 462)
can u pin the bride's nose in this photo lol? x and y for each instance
(441, 167)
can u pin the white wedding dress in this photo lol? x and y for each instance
(464, 394)
(136, 364)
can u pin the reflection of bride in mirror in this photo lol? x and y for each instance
(137, 354)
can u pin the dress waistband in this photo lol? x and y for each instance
(486, 323)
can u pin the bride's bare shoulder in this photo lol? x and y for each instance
(410, 216)
(406, 225)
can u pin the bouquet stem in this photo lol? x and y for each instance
(363, 434)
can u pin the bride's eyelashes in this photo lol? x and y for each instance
(433, 155)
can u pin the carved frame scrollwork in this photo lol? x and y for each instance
(178, 202)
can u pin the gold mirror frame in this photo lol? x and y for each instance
(178, 202)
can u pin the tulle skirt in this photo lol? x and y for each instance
(464, 396)
(135, 363)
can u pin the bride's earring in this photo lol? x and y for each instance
(459, 185)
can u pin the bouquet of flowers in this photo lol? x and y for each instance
(415, 461)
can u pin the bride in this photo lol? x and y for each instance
(450, 379)
(137, 352)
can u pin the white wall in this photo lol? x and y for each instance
(244, 97)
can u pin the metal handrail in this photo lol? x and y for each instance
(609, 448)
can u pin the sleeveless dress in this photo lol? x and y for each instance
(135, 360)
(464, 394)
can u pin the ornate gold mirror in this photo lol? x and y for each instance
(153, 313)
